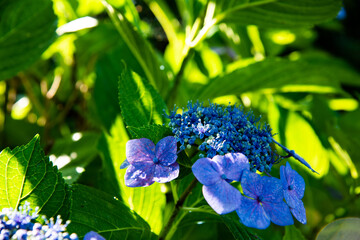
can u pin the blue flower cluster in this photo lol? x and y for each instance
(21, 224)
(220, 130)
(262, 201)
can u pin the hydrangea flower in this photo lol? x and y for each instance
(20, 224)
(264, 202)
(293, 187)
(224, 130)
(149, 163)
(93, 236)
(216, 174)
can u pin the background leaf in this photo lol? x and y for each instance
(292, 233)
(27, 28)
(347, 228)
(26, 174)
(278, 13)
(93, 210)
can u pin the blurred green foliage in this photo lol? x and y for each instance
(293, 62)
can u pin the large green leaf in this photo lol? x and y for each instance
(27, 28)
(148, 202)
(26, 174)
(279, 75)
(93, 210)
(346, 228)
(292, 233)
(140, 103)
(278, 13)
(140, 48)
(153, 132)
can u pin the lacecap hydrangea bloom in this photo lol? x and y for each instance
(20, 224)
(217, 130)
(148, 163)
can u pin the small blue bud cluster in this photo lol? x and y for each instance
(20, 224)
(224, 130)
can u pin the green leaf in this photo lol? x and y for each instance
(311, 149)
(26, 174)
(346, 228)
(140, 48)
(140, 103)
(292, 233)
(277, 13)
(27, 28)
(238, 230)
(280, 75)
(79, 148)
(148, 202)
(153, 132)
(93, 210)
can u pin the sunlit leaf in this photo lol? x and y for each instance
(93, 210)
(278, 13)
(140, 48)
(280, 75)
(27, 28)
(301, 137)
(140, 103)
(26, 174)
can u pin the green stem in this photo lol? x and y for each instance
(170, 224)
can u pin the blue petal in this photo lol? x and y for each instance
(272, 189)
(299, 212)
(204, 172)
(291, 198)
(125, 164)
(222, 197)
(252, 214)
(279, 213)
(93, 236)
(166, 150)
(294, 179)
(163, 174)
(232, 165)
(140, 150)
(251, 184)
(139, 175)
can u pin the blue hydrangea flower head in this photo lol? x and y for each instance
(293, 187)
(20, 224)
(93, 236)
(216, 174)
(218, 130)
(264, 202)
(149, 163)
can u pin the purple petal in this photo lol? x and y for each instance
(299, 212)
(93, 236)
(163, 174)
(140, 150)
(166, 150)
(272, 189)
(279, 213)
(295, 180)
(204, 172)
(252, 214)
(140, 175)
(222, 197)
(232, 165)
(251, 184)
